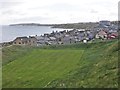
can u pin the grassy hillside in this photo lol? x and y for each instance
(98, 67)
(77, 65)
(87, 25)
(12, 53)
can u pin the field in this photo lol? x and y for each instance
(68, 66)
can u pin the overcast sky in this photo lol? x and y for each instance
(57, 11)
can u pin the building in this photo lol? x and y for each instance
(66, 39)
(105, 23)
(101, 35)
(113, 35)
(40, 40)
(52, 40)
(21, 41)
(32, 41)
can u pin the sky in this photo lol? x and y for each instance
(57, 11)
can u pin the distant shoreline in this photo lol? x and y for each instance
(81, 25)
(9, 33)
(30, 24)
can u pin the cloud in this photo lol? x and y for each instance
(62, 7)
(12, 12)
(35, 18)
(57, 11)
(8, 5)
(93, 11)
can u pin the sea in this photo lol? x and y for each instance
(9, 33)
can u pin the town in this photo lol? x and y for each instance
(104, 31)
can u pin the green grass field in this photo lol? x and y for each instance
(66, 66)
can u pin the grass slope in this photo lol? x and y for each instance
(12, 53)
(77, 65)
(98, 67)
(40, 67)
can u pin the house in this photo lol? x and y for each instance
(79, 38)
(67, 39)
(46, 35)
(73, 32)
(101, 35)
(46, 39)
(58, 35)
(91, 36)
(32, 41)
(63, 32)
(105, 23)
(40, 40)
(52, 40)
(113, 27)
(76, 39)
(59, 40)
(113, 35)
(21, 41)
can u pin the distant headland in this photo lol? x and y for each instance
(80, 25)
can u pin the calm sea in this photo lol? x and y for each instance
(9, 33)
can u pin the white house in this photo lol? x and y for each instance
(101, 35)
